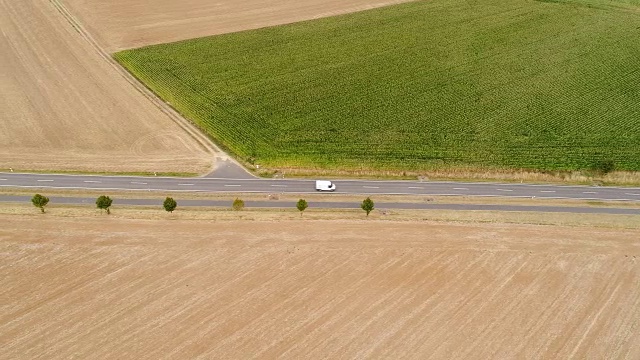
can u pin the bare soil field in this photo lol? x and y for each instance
(107, 287)
(125, 24)
(64, 107)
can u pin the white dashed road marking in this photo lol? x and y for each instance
(185, 184)
(138, 183)
(279, 185)
(233, 185)
(504, 189)
(632, 194)
(45, 180)
(371, 187)
(415, 187)
(589, 192)
(460, 189)
(92, 181)
(547, 191)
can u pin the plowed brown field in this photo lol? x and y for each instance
(98, 288)
(64, 107)
(124, 24)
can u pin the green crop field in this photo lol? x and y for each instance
(522, 84)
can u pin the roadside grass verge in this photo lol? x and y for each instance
(208, 214)
(615, 178)
(275, 197)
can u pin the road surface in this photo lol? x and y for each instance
(366, 187)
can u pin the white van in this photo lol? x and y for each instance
(325, 185)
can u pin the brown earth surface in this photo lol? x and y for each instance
(65, 107)
(124, 24)
(106, 287)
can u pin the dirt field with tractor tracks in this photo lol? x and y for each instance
(66, 107)
(101, 287)
(107, 287)
(125, 24)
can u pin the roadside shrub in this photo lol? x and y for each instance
(367, 205)
(40, 201)
(170, 204)
(237, 205)
(104, 203)
(302, 205)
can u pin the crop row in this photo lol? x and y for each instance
(502, 83)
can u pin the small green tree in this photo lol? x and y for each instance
(40, 201)
(104, 203)
(237, 205)
(169, 204)
(302, 205)
(367, 205)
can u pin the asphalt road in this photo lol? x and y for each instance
(43, 181)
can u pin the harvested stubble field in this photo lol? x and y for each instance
(126, 24)
(122, 288)
(422, 85)
(64, 107)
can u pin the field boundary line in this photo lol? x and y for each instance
(189, 127)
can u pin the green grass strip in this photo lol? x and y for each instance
(423, 85)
